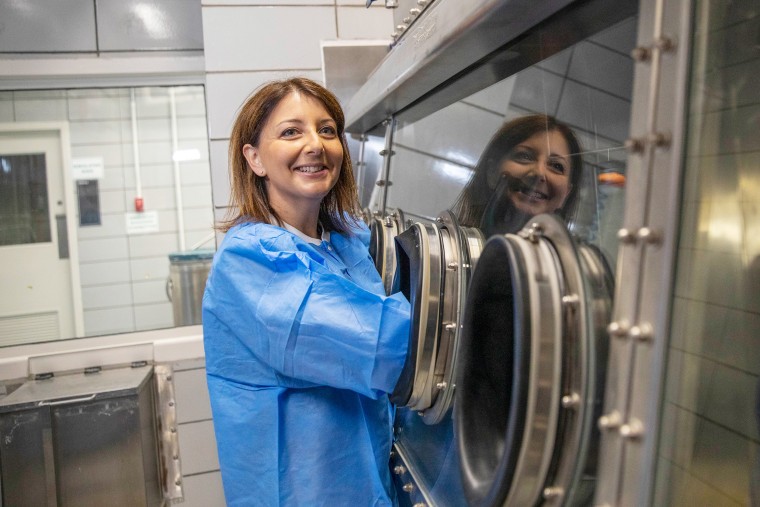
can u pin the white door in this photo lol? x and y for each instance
(37, 302)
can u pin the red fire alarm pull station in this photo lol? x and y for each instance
(139, 204)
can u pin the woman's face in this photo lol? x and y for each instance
(538, 173)
(299, 154)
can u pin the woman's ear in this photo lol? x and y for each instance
(251, 155)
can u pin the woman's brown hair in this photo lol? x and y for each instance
(249, 201)
(472, 202)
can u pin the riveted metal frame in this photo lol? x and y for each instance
(641, 314)
(169, 457)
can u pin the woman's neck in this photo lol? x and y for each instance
(306, 223)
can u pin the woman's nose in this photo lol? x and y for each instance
(538, 169)
(314, 143)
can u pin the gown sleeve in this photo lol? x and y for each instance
(310, 325)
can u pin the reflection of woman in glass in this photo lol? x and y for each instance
(532, 165)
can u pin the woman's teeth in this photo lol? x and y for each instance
(533, 194)
(309, 168)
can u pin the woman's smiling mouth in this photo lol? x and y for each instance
(310, 168)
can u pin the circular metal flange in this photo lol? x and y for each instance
(536, 312)
(419, 277)
(382, 247)
(461, 249)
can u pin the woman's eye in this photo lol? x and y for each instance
(328, 130)
(558, 167)
(289, 132)
(522, 156)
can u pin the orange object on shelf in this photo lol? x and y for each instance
(612, 178)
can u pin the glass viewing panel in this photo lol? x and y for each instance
(24, 211)
(585, 88)
(125, 143)
(492, 160)
(709, 447)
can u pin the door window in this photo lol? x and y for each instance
(24, 214)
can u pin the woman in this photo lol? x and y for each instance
(532, 165)
(302, 345)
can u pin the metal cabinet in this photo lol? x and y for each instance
(81, 439)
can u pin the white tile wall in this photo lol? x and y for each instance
(362, 23)
(295, 32)
(104, 272)
(152, 291)
(153, 316)
(107, 296)
(457, 133)
(198, 447)
(108, 321)
(152, 245)
(203, 490)
(109, 249)
(149, 268)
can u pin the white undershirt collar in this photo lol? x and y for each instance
(308, 239)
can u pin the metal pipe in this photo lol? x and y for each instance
(135, 150)
(177, 174)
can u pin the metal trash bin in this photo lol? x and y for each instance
(187, 280)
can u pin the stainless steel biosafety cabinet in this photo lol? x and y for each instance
(611, 358)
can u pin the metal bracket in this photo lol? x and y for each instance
(168, 439)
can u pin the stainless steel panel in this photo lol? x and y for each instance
(24, 481)
(447, 38)
(98, 453)
(47, 27)
(135, 25)
(87, 439)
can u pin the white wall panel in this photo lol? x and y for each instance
(112, 201)
(220, 187)
(110, 225)
(106, 296)
(108, 321)
(153, 268)
(226, 93)
(148, 245)
(191, 393)
(457, 133)
(203, 490)
(96, 132)
(589, 58)
(153, 316)
(6, 108)
(152, 291)
(104, 272)
(196, 196)
(40, 110)
(411, 175)
(102, 249)
(260, 3)
(271, 38)
(40, 25)
(363, 23)
(197, 447)
(111, 153)
(98, 106)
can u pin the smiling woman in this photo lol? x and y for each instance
(299, 155)
(302, 344)
(531, 165)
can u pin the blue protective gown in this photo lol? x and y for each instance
(302, 347)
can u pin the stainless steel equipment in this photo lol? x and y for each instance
(81, 439)
(532, 359)
(188, 272)
(499, 400)
(434, 262)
